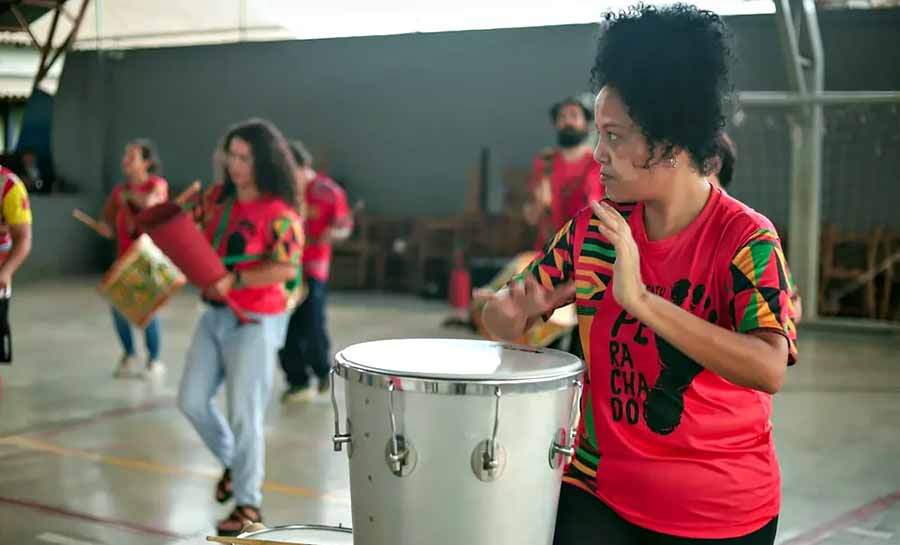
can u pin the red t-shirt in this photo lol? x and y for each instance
(122, 210)
(668, 445)
(326, 207)
(267, 229)
(573, 185)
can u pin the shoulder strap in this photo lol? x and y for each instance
(223, 224)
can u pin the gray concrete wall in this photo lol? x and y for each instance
(402, 118)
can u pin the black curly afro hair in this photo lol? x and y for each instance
(669, 65)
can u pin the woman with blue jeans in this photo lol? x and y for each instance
(250, 221)
(152, 336)
(143, 188)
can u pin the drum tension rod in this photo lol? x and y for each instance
(397, 455)
(567, 449)
(490, 454)
(339, 438)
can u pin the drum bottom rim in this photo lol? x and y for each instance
(321, 527)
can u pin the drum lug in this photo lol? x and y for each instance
(400, 455)
(563, 451)
(489, 457)
(338, 438)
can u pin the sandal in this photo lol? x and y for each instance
(238, 519)
(223, 487)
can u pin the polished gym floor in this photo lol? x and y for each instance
(86, 459)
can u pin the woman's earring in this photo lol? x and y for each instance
(674, 161)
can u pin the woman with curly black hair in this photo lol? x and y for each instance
(250, 221)
(682, 300)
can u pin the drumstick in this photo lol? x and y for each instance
(247, 541)
(89, 221)
(188, 193)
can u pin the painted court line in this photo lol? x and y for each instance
(56, 428)
(38, 445)
(57, 539)
(113, 523)
(851, 518)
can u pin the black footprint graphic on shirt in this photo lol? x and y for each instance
(665, 401)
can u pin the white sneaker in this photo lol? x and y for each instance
(299, 395)
(126, 367)
(155, 369)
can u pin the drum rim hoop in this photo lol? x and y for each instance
(457, 387)
(356, 373)
(341, 529)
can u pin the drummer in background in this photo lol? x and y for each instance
(251, 221)
(326, 220)
(15, 226)
(564, 180)
(682, 300)
(143, 187)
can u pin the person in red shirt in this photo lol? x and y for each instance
(250, 220)
(143, 187)
(683, 305)
(327, 219)
(563, 181)
(566, 178)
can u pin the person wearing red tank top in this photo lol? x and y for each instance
(143, 187)
(683, 305)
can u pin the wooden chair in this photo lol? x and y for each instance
(436, 238)
(891, 264)
(393, 251)
(838, 251)
(352, 256)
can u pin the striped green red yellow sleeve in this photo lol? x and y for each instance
(553, 264)
(761, 289)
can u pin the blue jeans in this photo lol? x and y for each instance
(307, 346)
(242, 357)
(152, 335)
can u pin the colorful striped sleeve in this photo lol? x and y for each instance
(553, 265)
(761, 289)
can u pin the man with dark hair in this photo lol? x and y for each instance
(565, 178)
(327, 219)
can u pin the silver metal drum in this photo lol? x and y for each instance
(310, 534)
(456, 441)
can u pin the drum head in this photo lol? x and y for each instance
(459, 360)
(309, 535)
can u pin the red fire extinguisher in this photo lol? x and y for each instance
(460, 288)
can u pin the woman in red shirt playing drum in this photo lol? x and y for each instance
(250, 220)
(143, 188)
(683, 305)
